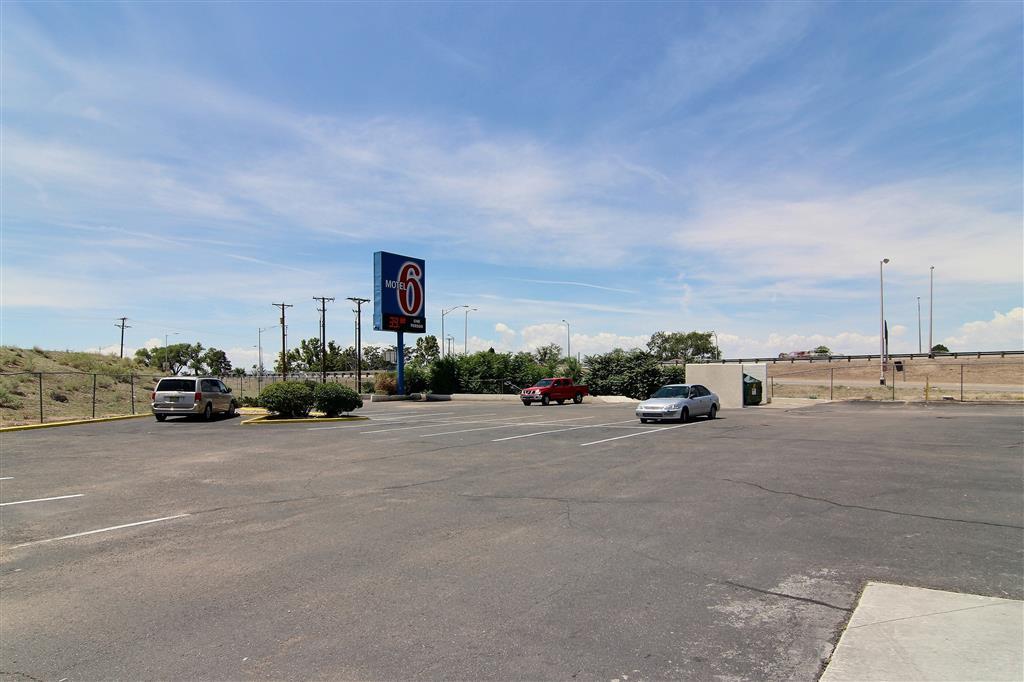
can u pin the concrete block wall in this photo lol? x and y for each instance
(727, 380)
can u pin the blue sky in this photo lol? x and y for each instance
(627, 167)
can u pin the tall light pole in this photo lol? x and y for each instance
(918, 324)
(568, 341)
(444, 313)
(259, 343)
(881, 332)
(931, 309)
(465, 332)
(166, 335)
(451, 341)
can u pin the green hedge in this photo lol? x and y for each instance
(289, 399)
(332, 399)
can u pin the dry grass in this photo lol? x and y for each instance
(67, 385)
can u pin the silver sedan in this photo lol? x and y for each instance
(679, 402)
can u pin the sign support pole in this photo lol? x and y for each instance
(401, 363)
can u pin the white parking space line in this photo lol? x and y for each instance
(504, 426)
(631, 435)
(442, 423)
(6, 478)
(381, 421)
(571, 428)
(99, 530)
(41, 499)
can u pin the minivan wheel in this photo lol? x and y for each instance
(231, 410)
(208, 412)
(160, 417)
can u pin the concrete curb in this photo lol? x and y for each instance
(47, 425)
(266, 420)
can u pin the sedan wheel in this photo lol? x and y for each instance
(684, 416)
(643, 421)
(714, 412)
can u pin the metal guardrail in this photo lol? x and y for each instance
(876, 356)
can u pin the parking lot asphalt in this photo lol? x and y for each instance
(492, 541)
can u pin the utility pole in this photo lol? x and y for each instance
(123, 326)
(881, 326)
(568, 341)
(284, 341)
(465, 332)
(323, 335)
(359, 340)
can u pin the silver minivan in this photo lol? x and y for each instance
(191, 396)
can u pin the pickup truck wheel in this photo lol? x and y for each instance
(560, 402)
(526, 403)
(545, 401)
(578, 398)
(160, 417)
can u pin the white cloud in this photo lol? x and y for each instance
(849, 343)
(1005, 331)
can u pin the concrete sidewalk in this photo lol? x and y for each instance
(912, 633)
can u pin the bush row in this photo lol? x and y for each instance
(295, 399)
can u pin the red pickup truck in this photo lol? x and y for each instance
(558, 389)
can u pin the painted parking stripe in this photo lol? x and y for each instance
(504, 426)
(631, 435)
(6, 478)
(99, 530)
(381, 421)
(571, 428)
(41, 499)
(442, 422)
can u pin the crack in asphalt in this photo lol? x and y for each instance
(874, 509)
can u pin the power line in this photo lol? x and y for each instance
(323, 335)
(123, 326)
(284, 341)
(359, 340)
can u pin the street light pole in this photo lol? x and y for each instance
(918, 324)
(444, 313)
(881, 332)
(465, 332)
(931, 309)
(717, 347)
(568, 341)
(259, 343)
(451, 341)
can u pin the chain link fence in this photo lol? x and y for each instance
(912, 381)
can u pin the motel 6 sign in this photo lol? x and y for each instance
(399, 293)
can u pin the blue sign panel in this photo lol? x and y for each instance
(399, 293)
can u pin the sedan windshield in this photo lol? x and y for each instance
(672, 392)
(543, 382)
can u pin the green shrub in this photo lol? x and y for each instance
(635, 373)
(385, 383)
(416, 379)
(289, 399)
(673, 374)
(58, 396)
(249, 401)
(444, 376)
(332, 399)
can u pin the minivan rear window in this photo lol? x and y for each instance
(187, 385)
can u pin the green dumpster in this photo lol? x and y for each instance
(753, 390)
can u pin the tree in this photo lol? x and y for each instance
(426, 351)
(679, 346)
(176, 356)
(822, 350)
(634, 373)
(216, 362)
(548, 355)
(939, 348)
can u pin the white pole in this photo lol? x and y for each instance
(918, 324)
(931, 309)
(881, 326)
